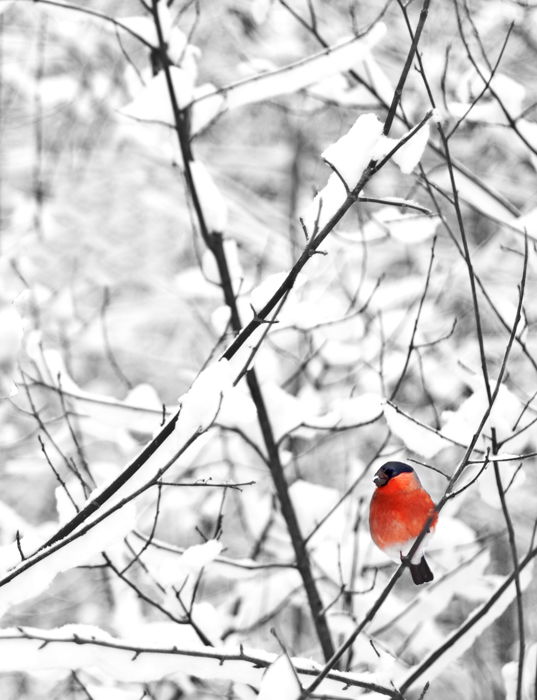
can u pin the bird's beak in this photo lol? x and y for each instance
(381, 478)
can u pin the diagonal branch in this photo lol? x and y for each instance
(215, 243)
(406, 68)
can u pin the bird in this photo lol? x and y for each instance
(400, 508)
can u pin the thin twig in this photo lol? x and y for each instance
(514, 555)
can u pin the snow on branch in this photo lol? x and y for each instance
(72, 647)
(296, 76)
(110, 511)
(350, 154)
(348, 157)
(34, 575)
(206, 102)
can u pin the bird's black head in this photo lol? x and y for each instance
(389, 470)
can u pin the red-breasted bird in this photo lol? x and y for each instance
(399, 509)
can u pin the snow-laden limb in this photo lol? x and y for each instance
(471, 629)
(349, 156)
(199, 408)
(351, 153)
(295, 76)
(75, 647)
(104, 528)
(319, 74)
(32, 581)
(110, 512)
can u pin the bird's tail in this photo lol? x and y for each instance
(421, 573)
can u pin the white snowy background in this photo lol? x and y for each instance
(183, 582)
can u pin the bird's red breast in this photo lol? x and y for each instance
(399, 510)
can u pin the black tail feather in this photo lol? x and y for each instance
(421, 573)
